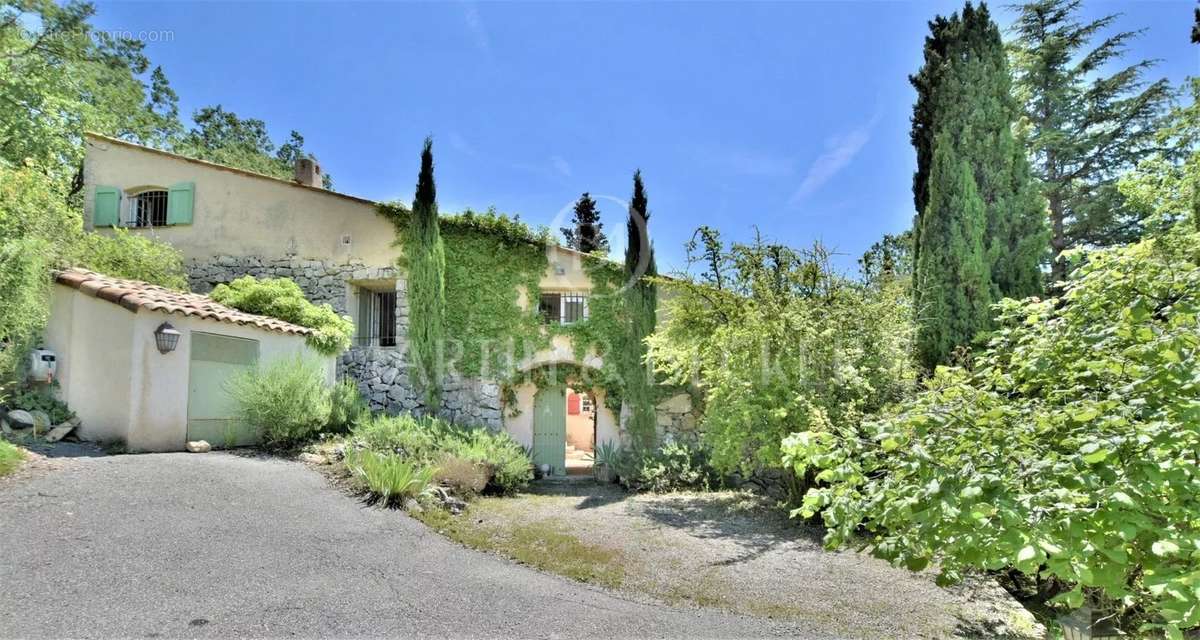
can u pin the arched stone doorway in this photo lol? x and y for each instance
(548, 410)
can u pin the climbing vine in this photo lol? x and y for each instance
(494, 263)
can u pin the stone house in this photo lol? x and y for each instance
(228, 222)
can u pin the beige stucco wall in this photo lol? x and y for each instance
(237, 214)
(112, 375)
(93, 341)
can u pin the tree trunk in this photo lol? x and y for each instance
(1058, 241)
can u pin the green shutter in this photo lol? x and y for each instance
(179, 203)
(107, 210)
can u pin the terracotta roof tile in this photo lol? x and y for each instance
(134, 295)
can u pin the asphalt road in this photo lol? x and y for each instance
(217, 545)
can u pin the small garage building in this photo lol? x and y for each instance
(107, 332)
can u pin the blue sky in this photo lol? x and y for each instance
(788, 117)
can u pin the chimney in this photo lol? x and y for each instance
(308, 173)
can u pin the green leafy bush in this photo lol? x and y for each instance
(388, 477)
(429, 441)
(281, 298)
(35, 225)
(779, 343)
(287, 400)
(11, 457)
(347, 406)
(38, 399)
(122, 254)
(674, 466)
(1069, 453)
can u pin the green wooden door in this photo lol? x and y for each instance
(214, 360)
(550, 429)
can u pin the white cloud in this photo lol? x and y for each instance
(478, 31)
(840, 151)
(561, 166)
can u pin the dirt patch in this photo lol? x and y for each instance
(731, 551)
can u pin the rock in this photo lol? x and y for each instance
(41, 419)
(59, 432)
(21, 419)
(412, 506)
(4, 428)
(313, 458)
(199, 446)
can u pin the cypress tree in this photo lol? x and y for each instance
(586, 232)
(641, 301)
(964, 100)
(1196, 27)
(426, 259)
(952, 282)
(1086, 126)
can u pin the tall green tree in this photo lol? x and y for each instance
(891, 257)
(1086, 125)
(221, 136)
(641, 304)
(586, 232)
(426, 261)
(1196, 27)
(964, 100)
(952, 288)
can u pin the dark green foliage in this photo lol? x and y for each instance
(964, 103)
(429, 442)
(674, 466)
(1196, 28)
(282, 298)
(641, 302)
(891, 257)
(40, 399)
(952, 291)
(425, 257)
(1091, 117)
(586, 232)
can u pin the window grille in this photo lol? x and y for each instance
(376, 319)
(563, 308)
(148, 209)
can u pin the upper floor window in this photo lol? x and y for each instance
(148, 209)
(563, 308)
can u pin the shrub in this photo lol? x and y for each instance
(780, 343)
(347, 406)
(10, 457)
(674, 466)
(122, 254)
(429, 442)
(389, 478)
(287, 400)
(1067, 454)
(462, 476)
(37, 399)
(281, 298)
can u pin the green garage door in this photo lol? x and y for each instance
(550, 429)
(216, 359)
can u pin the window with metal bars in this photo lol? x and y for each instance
(376, 319)
(148, 209)
(563, 308)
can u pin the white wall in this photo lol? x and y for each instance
(520, 426)
(113, 377)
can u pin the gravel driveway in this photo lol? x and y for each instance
(218, 545)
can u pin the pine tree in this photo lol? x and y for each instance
(953, 288)
(586, 232)
(1086, 126)
(426, 259)
(641, 301)
(1196, 28)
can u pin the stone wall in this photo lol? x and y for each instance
(383, 378)
(676, 418)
